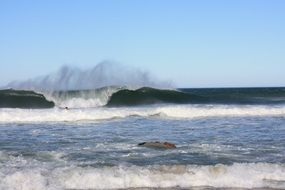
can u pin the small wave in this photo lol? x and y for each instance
(238, 175)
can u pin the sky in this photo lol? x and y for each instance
(198, 43)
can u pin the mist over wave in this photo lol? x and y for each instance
(105, 73)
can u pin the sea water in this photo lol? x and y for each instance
(219, 146)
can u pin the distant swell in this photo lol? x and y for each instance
(23, 99)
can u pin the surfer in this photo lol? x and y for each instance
(64, 108)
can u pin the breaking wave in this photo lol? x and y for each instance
(23, 99)
(83, 98)
(114, 96)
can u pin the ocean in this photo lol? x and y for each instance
(226, 138)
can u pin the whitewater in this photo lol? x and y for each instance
(163, 112)
(225, 138)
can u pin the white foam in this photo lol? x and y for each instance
(251, 175)
(81, 103)
(220, 111)
(83, 99)
(24, 180)
(166, 111)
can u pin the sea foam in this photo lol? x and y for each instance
(162, 111)
(247, 175)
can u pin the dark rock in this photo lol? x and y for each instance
(158, 144)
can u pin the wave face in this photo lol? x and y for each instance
(147, 95)
(23, 99)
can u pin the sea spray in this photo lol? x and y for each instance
(106, 73)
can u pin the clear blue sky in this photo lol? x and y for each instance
(194, 43)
